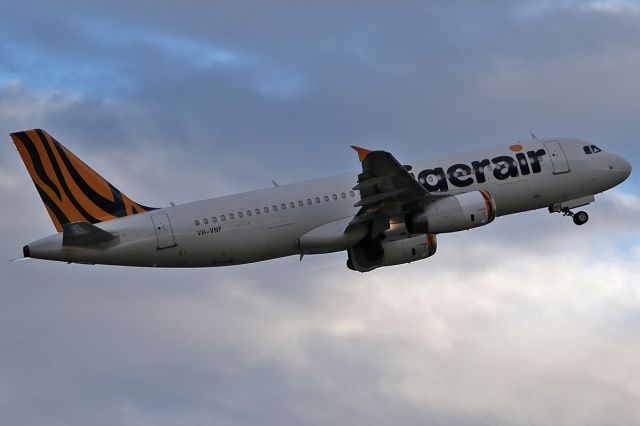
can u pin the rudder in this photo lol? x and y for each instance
(70, 190)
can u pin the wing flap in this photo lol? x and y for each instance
(380, 196)
(368, 183)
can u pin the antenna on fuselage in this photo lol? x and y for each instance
(275, 183)
(533, 136)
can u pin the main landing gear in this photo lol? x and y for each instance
(579, 218)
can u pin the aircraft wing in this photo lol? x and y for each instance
(386, 187)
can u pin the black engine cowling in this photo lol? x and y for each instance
(454, 213)
(393, 252)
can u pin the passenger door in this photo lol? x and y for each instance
(558, 157)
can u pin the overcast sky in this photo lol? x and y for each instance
(177, 101)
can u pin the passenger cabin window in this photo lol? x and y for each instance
(239, 215)
(249, 212)
(300, 203)
(223, 217)
(317, 200)
(326, 198)
(206, 221)
(214, 219)
(343, 195)
(196, 222)
(335, 196)
(231, 216)
(292, 204)
(258, 211)
(283, 206)
(309, 201)
(274, 208)
(266, 209)
(353, 194)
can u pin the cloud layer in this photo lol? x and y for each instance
(529, 321)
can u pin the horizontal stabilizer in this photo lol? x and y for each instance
(85, 234)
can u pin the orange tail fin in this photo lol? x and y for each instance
(71, 190)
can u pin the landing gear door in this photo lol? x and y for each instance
(558, 158)
(164, 233)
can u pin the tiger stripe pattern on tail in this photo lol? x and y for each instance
(70, 190)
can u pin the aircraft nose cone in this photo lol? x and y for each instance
(626, 168)
(621, 167)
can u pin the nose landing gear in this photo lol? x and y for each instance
(579, 218)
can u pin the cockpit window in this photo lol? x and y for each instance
(591, 149)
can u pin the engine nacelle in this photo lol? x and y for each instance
(454, 213)
(394, 252)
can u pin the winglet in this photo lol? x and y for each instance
(362, 153)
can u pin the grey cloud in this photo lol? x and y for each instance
(443, 344)
(401, 78)
(531, 320)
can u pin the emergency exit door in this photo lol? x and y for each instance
(164, 233)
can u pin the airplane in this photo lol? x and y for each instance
(389, 214)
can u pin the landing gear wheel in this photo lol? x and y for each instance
(580, 218)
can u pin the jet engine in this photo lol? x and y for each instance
(391, 252)
(453, 213)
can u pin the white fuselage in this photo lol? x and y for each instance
(196, 235)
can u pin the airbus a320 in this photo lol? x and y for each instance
(388, 214)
